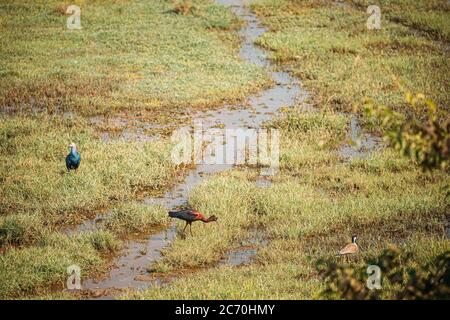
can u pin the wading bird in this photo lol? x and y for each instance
(190, 216)
(349, 249)
(73, 159)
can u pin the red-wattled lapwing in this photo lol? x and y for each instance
(349, 249)
(190, 216)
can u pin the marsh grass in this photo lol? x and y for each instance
(430, 17)
(32, 270)
(318, 201)
(342, 62)
(308, 213)
(227, 196)
(139, 56)
(129, 55)
(20, 229)
(133, 217)
(308, 137)
(38, 197)
(34, 178)
(135, 58)
(35, 258)
(183, 7)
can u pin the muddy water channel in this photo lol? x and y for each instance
(130, 268)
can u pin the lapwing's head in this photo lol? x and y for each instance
(354, 239)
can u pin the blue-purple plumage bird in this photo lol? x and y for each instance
(73, 159)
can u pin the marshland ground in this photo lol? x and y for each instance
(146, 62)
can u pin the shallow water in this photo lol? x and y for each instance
(361, 144)
(130, 268)
(136, 257)
(244, 254)
(139, 255)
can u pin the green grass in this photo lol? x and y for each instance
(130, 55)
(35, 259)
(34, 178)
(133, 217)
(210, 241)
(302, 149)
(342, 62)
(145, 57)
(20, 229)
(132, 58)
(38, 197)
(308, 213)
(429, 17)
(34, 269)
(293, 278)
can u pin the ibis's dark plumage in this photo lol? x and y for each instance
(73, 159)
(190, 216)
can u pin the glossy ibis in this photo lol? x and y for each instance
(190, 216)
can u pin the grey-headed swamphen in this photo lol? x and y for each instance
(73, 159)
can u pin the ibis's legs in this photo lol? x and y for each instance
(185, 227)
(190, 228)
